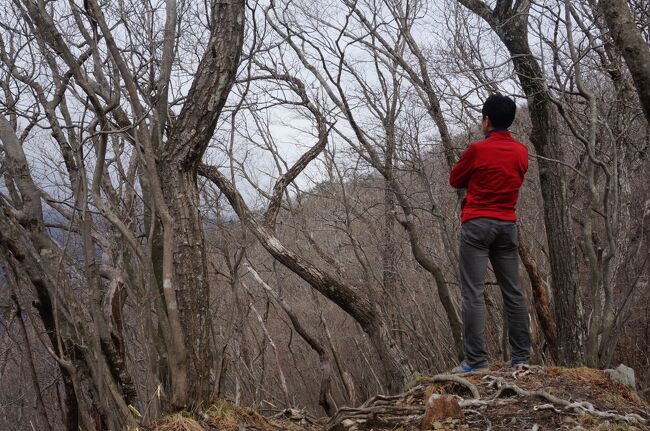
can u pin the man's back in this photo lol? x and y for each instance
(492, 170)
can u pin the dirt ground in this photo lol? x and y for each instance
(537, 398)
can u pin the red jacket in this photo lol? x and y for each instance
(492, 170)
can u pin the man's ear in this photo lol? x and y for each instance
(488, 123)
(485, 123)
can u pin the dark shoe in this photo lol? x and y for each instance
(464, 367)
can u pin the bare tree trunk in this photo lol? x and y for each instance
(635, 50)
(188, 140)
(388, 252)
(40, 404)
(34, 253)
(346, 379)
(177, 261)
(389, 248)
(87, 365)
(324, 396)
(540, 296)
(190, 271)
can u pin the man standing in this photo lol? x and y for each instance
(492, 171)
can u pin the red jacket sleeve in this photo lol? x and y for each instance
(463, 169)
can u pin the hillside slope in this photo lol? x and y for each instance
(534, 398)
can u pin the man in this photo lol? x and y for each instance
(492, 171)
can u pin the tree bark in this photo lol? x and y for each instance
(190, 272)
(188, 140)
(635, 50)
(40, 404)
(540, 297)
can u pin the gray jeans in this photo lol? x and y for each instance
(482, 239)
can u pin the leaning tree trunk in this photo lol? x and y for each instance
(349, 298)
(510, 23)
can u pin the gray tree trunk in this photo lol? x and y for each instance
(629, 42)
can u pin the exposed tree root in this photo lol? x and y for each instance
(576, 406)
(457, 379)
(402, 409)
(385, 405)
(392, 409)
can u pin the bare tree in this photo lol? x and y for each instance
(119, 108)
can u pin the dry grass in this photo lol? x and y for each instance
(594, 385)
(227, 417)
(223, 416)
(178, 422)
